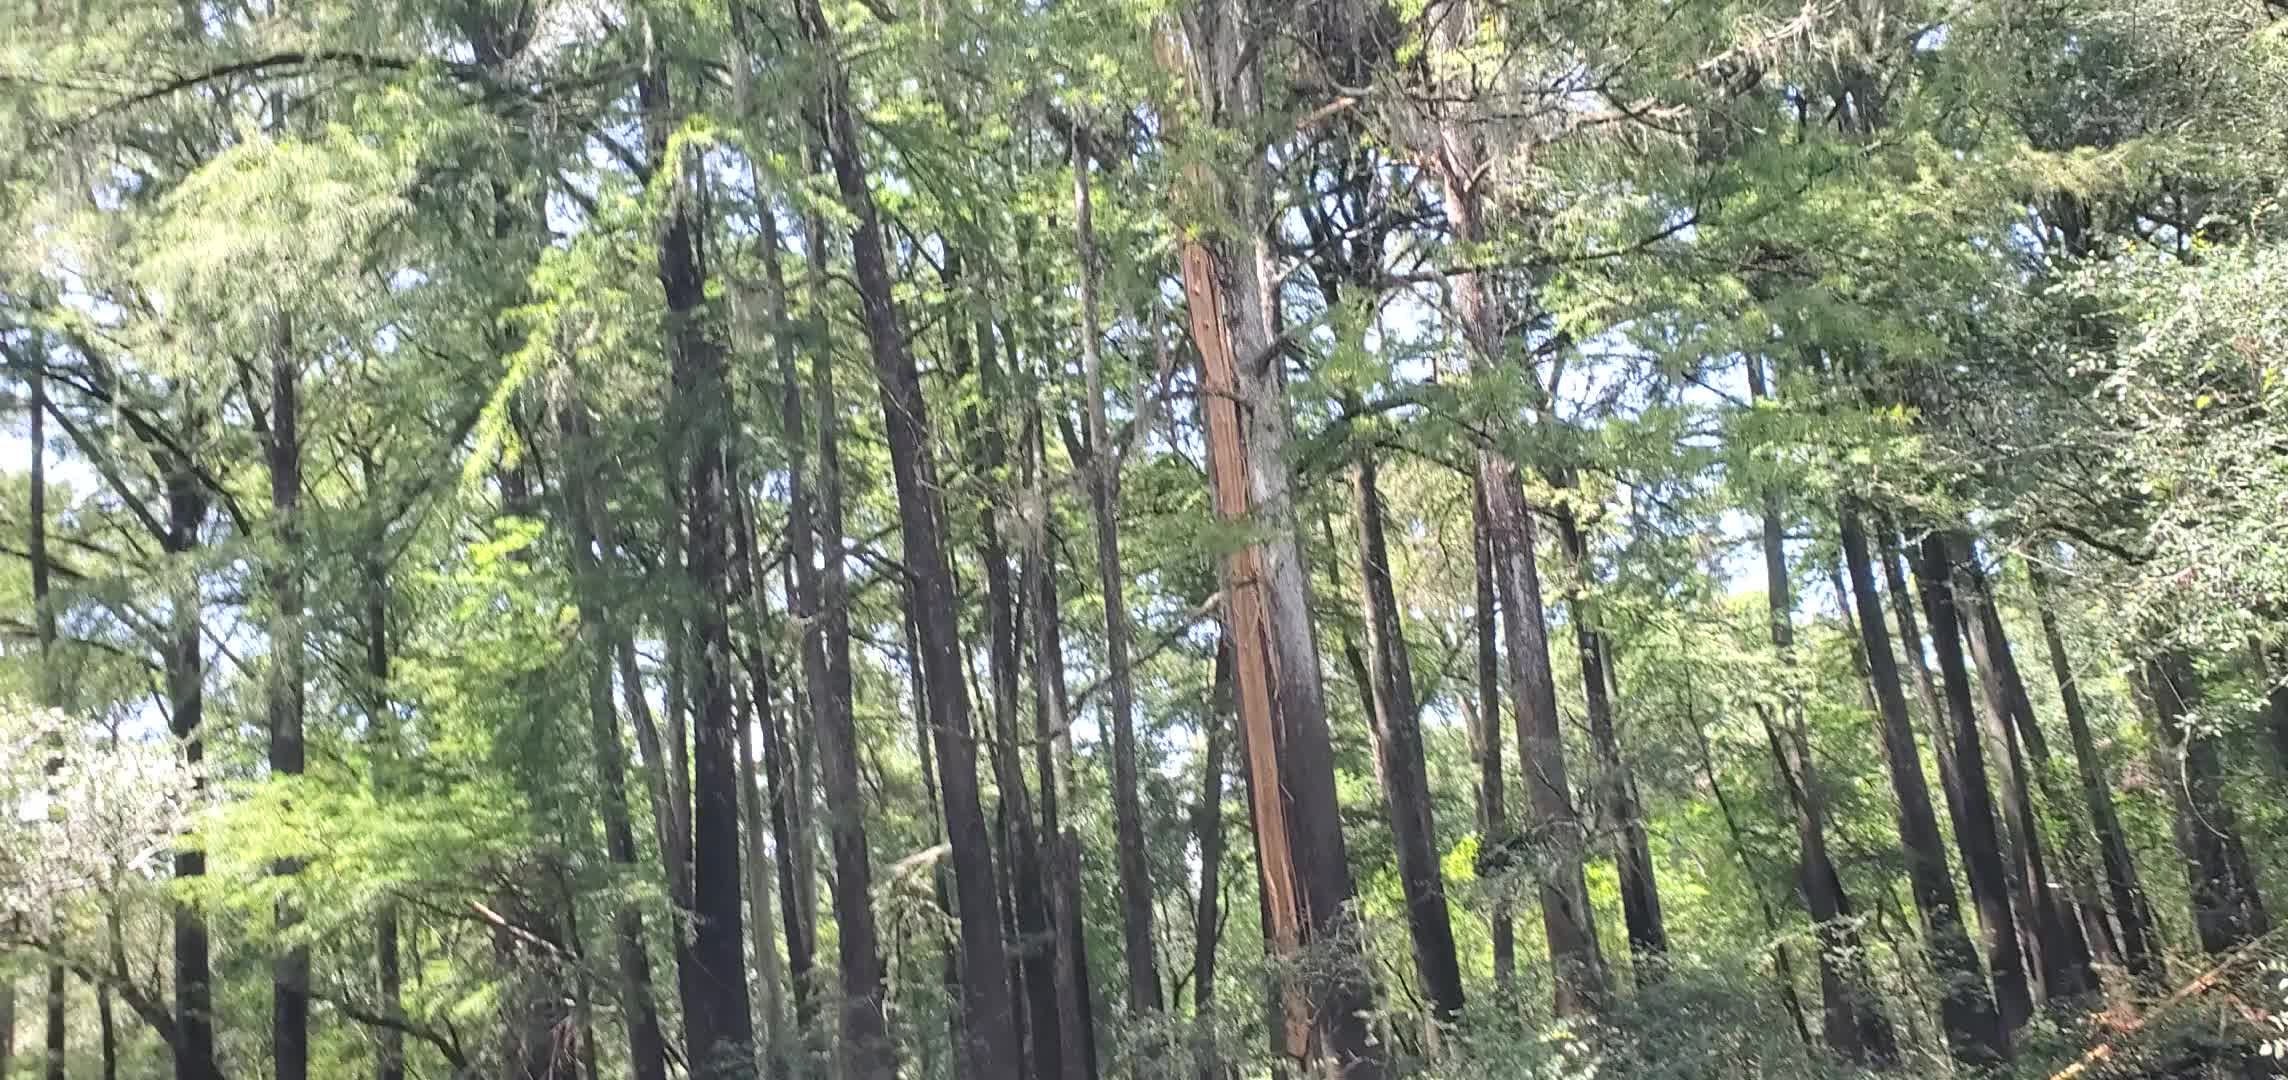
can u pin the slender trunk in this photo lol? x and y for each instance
(187, 509)
(789, 809)
(1783, 960)
(50, 682)
(990, 1046)
(647, 1045)
(1851, 1018)
(1399, 756)
(1052, 755)
(1556, 833)
(1991, 885)
(290, 977)
(389, 1042)
(757, 710)
(719, 1026)
(1207, 830)
(1136, 931)
(2062, 950)
(2228, 912)
(1940, 733)
(1616, 794)
(1486, 736)
(1974, 1033)
(2132, 912)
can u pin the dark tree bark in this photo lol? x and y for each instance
(1052, 753)
(389, 1042)
(2132, 912)
(647, 1045)
(2063, 950)
(2228, 911)
(1399, 756)
(1029, 925)
(1980, 838)
(1616, 792)
(718, 1023)
(1974, 1033)
(990, 1044)
(51, 686)
(1486, 735)
(1903, 600)
(290, 976)
(1207, 830)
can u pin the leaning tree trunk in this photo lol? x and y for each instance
(1135, 866)
(1974, 1033)
(2024, 757)
(647, 1045)
(2132, 912)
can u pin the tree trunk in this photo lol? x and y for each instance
(718, 1023)
(1616, 792)
(2228, 912)
(389, 1042)
(1399, 756)
(187, 508)
(51, 687)
(990, 1047)
(1052, 754)
(1998, 894)
(647, 1045)
(1556, 836)
(2132, 912)
(1974, 1033)
(866, 1050)
(1851, 1019)
(290, 977)
(2063, 950)
(1903, 600)
(1136, 930)
(1228, 270)
(1207, 830)
(1486, 735)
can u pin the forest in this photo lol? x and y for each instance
(1143, 539)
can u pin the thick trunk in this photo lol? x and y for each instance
(1304, 865)
(1399, 756)
(1136, 931)
(2132, 912)
(1616, 792)
(1486, 733)
(990, 1045)
(1999, 895)
(2228, 912)
(1555, 832)
(1850, 1016)
(718, 1026)
(290, 975)
(1207, 830)
(1974, 1033)
(2063, 950)
(1903, 600)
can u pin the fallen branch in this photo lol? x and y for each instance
(2201, 985)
